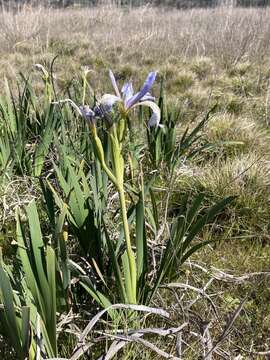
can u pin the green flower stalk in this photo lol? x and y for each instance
(130, 265)
(117, 177)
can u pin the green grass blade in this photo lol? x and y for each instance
(26, 330)
(38, 250)
(193, 211)
(210, 214)
(51, 316)
(46, 138)
(141, 244)
(27, 268)
(7, 296)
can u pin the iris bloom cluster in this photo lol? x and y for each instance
(126, 100)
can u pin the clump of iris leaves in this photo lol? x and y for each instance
(102, 163)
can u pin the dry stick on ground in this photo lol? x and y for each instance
(203, 292)
(206, 337)
(82, 347)
(178, 349)
(197, 290)
(135, 335)
(227, 328)
(223, 276)
(65, 320)
(207, 342)
(132, 336)
(250, 352)
(136, 338)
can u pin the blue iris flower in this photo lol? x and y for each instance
(128, 100)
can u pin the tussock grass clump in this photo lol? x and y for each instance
(246, 176)
(183, 80)
(240, 69)
(202, 67)
(235, 40)
(241, 134)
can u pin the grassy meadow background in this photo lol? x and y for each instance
(207, 56)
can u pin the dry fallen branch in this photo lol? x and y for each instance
(193, 288)
(227, 328)
(136, 338)
(221, 275)
(136, 335)
(82, 347)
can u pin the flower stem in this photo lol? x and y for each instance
(130, 253)
(117, 177)
(124, 218)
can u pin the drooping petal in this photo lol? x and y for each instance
(108, 100)
(144, 89)
(127, 91)
(114, 84)
(87, 113)
(103, 112)
(84, 110)
(154, 121)
(155, 118)
(148, 97)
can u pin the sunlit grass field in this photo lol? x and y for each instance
(213, 84)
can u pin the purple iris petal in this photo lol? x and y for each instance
(109, 100)
(148, 97)
(154, 120)
(127, 91)
(114, 84)
(87, 113)
(143, 91)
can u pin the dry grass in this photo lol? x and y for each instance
(144, 36)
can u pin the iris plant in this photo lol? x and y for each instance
(124, 101)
